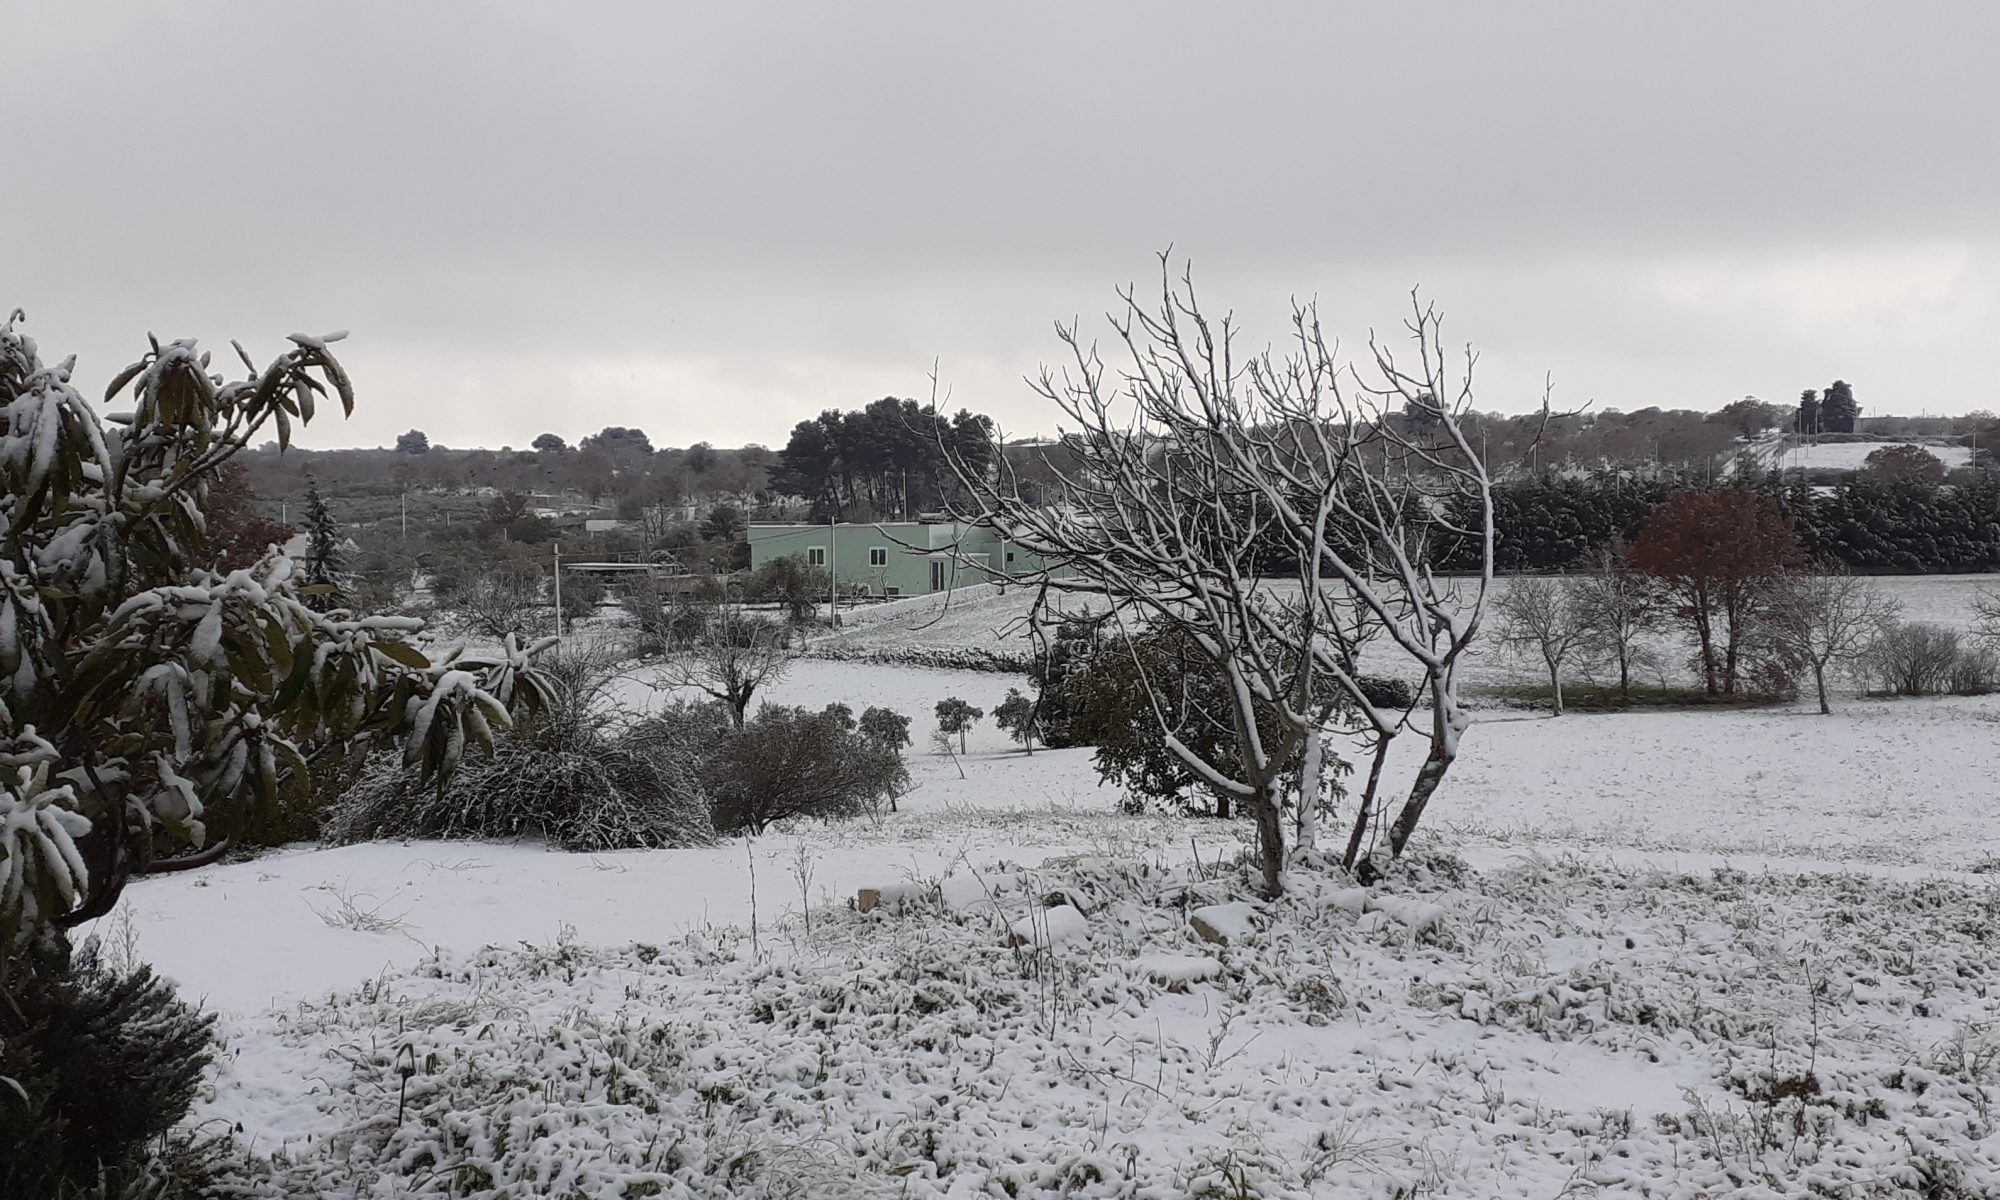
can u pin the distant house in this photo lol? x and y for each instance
(898, 558)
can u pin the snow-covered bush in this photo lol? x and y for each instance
(582, 773)
(145, 700)
(1921, 658)
(790, 762)
(101, 1063)
(998, 659)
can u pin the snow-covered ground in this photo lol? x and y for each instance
(1848, 456)
(1671, 954)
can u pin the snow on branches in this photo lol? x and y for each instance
(141, 694)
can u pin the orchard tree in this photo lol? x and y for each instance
(1197, 471)
(956, 716)
(1618, 606)
(1540, 615)
(734, 656)
(1820, 621)
(1717, 557)
(149, 701)
(1016, 715)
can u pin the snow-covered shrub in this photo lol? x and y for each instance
(581, 594)
(790, 762)
(999, 660)
(1921, 658)
(148, 701)
(105, 1063)
(582, 773)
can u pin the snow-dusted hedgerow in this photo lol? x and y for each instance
(1549, 1029)
(944, 658)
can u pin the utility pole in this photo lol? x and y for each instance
(832, 572)
(558, 547)
(406, 514)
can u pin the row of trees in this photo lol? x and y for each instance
(1729, 571)
(885, 461)
(1896, 517)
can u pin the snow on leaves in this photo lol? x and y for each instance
(170, 696)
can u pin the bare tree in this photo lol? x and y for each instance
(1278, 511)
(497, 601)
(1541, 616)
(1618, 606)
(736, 655)
(1820, 621)
(1986, 615)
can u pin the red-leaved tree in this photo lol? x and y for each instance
(1716, 557)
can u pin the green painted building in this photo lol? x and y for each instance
(897, 558)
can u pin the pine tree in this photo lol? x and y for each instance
(322, 553)
(1810, 415)
(1838, 411)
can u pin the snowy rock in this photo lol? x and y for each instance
(888, 896)
(1050, 927)
(1415, 915)
(1175, 972)
(1224, 924)
(1073, 897)
(1352, 901)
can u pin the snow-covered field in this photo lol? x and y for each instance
(1850, 456)
(1663, 954)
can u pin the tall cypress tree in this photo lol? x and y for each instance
(322, 552)
(1837, 408)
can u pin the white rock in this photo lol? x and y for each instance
(1176, 971)
(1224, 923)
(1049, 927)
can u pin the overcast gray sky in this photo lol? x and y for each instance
(713, 220)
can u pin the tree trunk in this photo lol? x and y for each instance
(1624, 675)
(961, 743)
(1707, 635)
(1555, 689)
(1819, 682)
(1222, 806)
(1366, 810)
(1447, 723)
(1270, 837)
(1309, 772)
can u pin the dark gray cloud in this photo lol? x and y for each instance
(713, 220)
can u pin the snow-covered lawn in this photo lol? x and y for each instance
(1545, 1029)
(986, 621)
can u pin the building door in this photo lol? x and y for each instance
(937, 574)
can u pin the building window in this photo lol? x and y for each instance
(815, 556)
(878, 556)
(890, 591)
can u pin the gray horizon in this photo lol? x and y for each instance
(711, 223)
